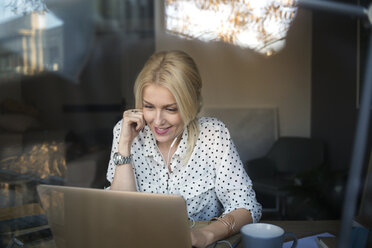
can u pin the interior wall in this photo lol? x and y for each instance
(236, 77)
(334, 87)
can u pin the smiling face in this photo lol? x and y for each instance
(161, 113)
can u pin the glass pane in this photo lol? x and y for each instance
(67, 70)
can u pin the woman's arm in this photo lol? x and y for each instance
(217, 230)
(132, 123)
(234, 191)
(124, 176)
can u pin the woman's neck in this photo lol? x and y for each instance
(165, 146)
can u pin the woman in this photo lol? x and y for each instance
(162, 147)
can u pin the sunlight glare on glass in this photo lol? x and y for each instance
(40, 21)
(31, 38)
(16, 9)
(260, 25)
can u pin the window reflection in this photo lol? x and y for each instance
(31, 42)
(260, 25)
(67, 70)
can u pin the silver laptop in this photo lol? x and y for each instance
(82, 217)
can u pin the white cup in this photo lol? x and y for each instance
(264, 235)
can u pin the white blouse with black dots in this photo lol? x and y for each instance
(212, 182)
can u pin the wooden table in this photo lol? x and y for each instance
(300, 228)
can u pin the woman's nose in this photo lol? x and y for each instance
(159, 120)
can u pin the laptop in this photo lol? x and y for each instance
(84, 217)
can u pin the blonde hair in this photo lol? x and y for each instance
(176, 71)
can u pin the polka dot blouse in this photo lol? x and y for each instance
(212, 182)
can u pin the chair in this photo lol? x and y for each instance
(275, 172)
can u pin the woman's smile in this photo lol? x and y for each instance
(161, 131)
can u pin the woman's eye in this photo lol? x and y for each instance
(148, 106)
(172, 109)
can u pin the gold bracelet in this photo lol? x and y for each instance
(229, 221)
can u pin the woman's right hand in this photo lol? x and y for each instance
(132, 123)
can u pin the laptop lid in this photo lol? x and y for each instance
(83, 217)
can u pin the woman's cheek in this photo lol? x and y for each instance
(146, 116)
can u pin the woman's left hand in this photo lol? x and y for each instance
(199, 238)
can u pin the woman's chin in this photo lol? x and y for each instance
(162, 139)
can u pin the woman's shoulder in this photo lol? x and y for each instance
(211, 122)
(212, 128)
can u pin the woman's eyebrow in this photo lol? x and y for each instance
(165, 106)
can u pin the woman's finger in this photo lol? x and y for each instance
(137, 113)
(141, 123)
(133, 112)
(129, 120)
(132, 116)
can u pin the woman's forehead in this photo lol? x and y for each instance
(157, 94)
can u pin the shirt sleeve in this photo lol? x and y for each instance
(233, 185)
(115, 142)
